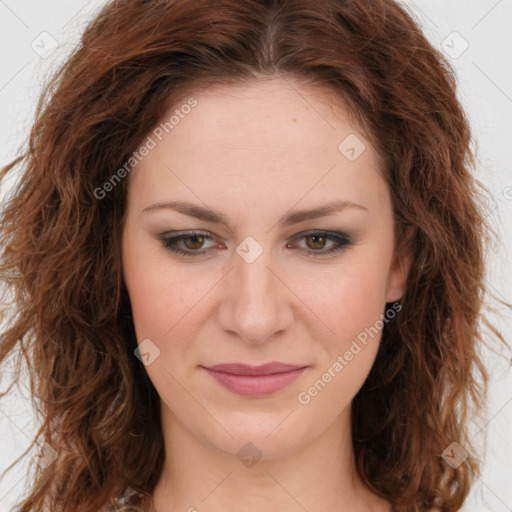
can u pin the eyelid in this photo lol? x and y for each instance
(340, 239)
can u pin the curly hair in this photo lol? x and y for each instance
(70, 319)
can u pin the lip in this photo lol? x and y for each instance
(255, 381)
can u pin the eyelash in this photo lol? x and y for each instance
(342, 241)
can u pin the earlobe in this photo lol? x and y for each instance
(400, 268)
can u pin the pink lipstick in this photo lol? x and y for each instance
(255, 381)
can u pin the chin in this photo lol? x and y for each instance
(255, 438)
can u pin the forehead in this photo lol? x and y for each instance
(274, 134)
(261, 109)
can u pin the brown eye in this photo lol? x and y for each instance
(196, 241)
(318, 242)
(192, 243)
(186, 244)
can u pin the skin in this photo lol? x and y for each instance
(255, 152)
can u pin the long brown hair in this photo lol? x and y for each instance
(70, 316)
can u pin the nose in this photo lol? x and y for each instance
(257, 304)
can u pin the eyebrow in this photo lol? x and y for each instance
(290, 218)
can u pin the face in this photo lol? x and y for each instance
(259, 282)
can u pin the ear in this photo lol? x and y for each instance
(400, 267)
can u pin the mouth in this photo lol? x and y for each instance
(255, 381)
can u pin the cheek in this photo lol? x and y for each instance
(155, 301)
(350, 304)
(348, 298)
(161, 307)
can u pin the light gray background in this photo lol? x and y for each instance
(477, 37)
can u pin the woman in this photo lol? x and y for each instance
(246, 255)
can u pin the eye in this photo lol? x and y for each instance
(316, 242)
(194, 240)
